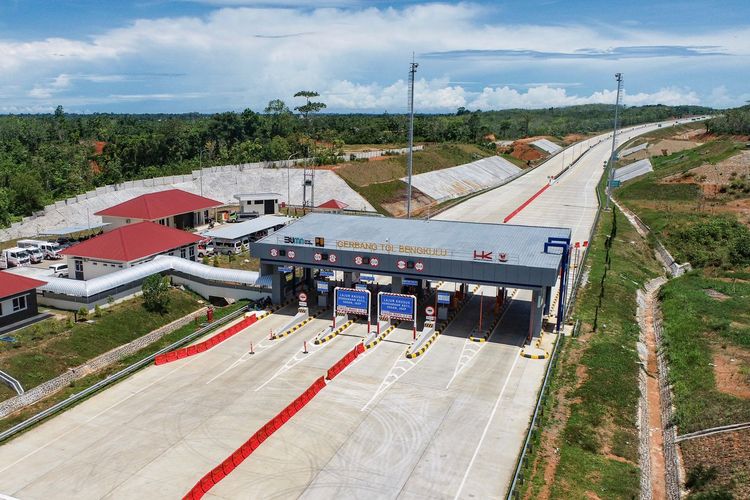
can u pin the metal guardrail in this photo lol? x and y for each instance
(11, 382)
(518, 474)
(532, 427)
(74, 398)
(712, 431)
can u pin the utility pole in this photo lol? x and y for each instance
(410, 159)
(611, 171)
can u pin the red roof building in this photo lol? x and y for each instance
(333, 204)
(127, 246)
(17, 300)
(171, 208)
(13, 284)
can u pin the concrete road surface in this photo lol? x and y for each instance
(448, 424)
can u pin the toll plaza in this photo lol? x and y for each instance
(413, 253)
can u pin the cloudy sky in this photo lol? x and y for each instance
(216, 55)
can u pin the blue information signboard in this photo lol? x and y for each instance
(367, 277)
(352, 301)
(322, 286)
(443, 297)
(285, 269)
(397, 306)
(408, 282)
(361, 286)
(326, 274)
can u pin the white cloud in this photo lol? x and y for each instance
(434, 95)
(357, 56)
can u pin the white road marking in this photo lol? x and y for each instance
(400, 368)
(264, 345)
(298, 357)
(471, 348)
(93, 417)
(486, 428)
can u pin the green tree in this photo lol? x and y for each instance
(309, 106)
(156, 293)
(5, 212)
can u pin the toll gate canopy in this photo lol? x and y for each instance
(468, 252)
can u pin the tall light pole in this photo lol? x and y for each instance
(611, 171)
(410, 159)
(288, 163)
(200, 166)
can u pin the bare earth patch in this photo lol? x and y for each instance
(732, 371)
(729, 453)
(715, 294)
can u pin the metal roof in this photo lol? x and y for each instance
(451, 240)
(242, 229)
(160, 264)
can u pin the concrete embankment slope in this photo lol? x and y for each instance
(219, 183)
(450, 183)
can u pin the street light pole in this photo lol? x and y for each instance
(288, 195)
(200, 167)
(410, 159)
(612, 156)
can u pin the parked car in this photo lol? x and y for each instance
(14, 257)
(59, 270)
(50, 249)
(35, 255)
(205, 248)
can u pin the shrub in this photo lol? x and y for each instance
(97, 311)
(83, 313)
(156, 293)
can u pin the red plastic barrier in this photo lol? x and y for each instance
(345, 361)
(206, 344)
(248, 447)
(525, 203)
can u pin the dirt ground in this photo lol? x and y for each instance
(729, 453)
(522, 150)
(420, 202)
(732, 371)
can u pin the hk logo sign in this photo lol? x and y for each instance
(485, 256)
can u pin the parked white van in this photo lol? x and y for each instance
(13, 257)
(59, 270)
(50, 249)
(35, 254)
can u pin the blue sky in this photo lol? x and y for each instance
(215, 55)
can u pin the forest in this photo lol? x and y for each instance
(47, 157)
(731, 122)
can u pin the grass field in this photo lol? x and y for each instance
(706, 313)
(47, 349)
(696, 326)
(590, 420)
(433, 157)
(92, 379)
(378, 181)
